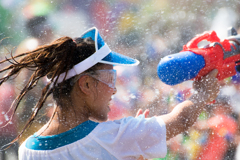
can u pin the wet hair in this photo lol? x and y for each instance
(48, 60)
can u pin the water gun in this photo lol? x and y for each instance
(193, 62)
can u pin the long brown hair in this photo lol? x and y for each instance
(47, 60)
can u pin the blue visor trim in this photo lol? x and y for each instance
(90, 33)
(36, 142)
(119, 59)
(100, 41)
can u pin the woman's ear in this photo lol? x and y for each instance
(84, 84)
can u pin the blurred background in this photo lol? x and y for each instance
(143, 29)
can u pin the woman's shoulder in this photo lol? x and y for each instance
(37, 142)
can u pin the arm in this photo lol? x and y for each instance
(186, 113)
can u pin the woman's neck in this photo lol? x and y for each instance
(63, 120)
(70, 114)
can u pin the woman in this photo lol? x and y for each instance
(82, 82)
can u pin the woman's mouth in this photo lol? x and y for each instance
(109, 104)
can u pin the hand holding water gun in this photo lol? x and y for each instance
(193, 62)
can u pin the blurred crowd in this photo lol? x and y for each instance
(144, 29)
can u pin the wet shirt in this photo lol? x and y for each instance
(126, 139)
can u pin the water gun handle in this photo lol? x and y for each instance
(193, 62)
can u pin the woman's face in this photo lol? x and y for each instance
(101, 98)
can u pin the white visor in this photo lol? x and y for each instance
(103, 54)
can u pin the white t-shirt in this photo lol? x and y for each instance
(125, 139)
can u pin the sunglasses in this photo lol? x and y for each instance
(108, 77)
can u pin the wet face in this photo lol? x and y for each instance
(101, 98)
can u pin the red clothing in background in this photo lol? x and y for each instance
(223, 128)
(6, 98)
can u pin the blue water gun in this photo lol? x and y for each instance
(193, 62)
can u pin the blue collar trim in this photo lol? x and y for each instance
(36, 142)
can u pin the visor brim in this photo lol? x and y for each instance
(114, 58)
